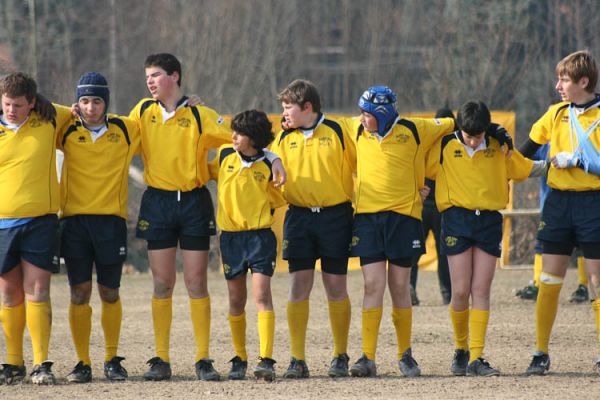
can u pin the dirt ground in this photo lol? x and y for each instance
(509, 345)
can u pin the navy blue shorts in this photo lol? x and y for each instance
(94, 239)
(254, 250)
(35, 242)
(462, 229)
(325, 232)
(167, 216)
(570, 218)
(387, 235)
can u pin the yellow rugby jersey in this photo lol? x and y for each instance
(319, 166)
(246, 194)
(95, 174)
(28, 181)
(175, 151)
(390, 170)
(477, 182)
(553, 127)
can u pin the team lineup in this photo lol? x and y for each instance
(354, 187)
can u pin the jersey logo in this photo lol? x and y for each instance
(354, 242)
(81, 139)
(122, 251)
(230, 168)
(457, 153)
(451, 241)
(565, 118)
(293, 145)
(416, 244)
(113, 137)
(259, 176)
(153, 119)
(184, 122)
(437, 121)
(325, 142)
(284, 244)
(220, 120)
(35, 123)
(489, 153)
(2, 133)
(226, 268)
(401, 138)
(541, 226)
(211, 225)
(143, 225)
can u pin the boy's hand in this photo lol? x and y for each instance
(75, 109)
(424, 192)
(279, 174)
(564, 159)
(45, 108)
(284, 123)
(194, 100)
(501, 135)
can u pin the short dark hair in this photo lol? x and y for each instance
(444, 112)
(166, 61)
(19, 84)
(473, 118)
(256, 125)
(301, 92)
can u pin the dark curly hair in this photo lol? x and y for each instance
(255, 125)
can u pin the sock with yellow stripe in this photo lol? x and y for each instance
(13, 324)
(39, 323)
(537, 269)
(112, 314)
(162, 315)
(200, 312)
(402, 320)
(340, 313)
(237, 324)
(596, 309)
(546, 308)
(297, 314)
(371, 319)
(478, 323)
(80, 321)
(266, 333)
(460, 325)
(583, 280)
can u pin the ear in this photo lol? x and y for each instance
(584, 82)
(307, 107)
(32, 104)
(175, 76)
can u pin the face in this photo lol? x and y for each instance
(570, 90)
(296, 116)
(159, 83)
(243, 144)
(92, 109)
(368, 121)
(473, 141)
(16, 109)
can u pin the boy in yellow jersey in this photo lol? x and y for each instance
(247, 197)
(387, 226)
(176, 208)
(98, 148)
(471, 186)
(571, 214)
(28, 225)
(318, 154)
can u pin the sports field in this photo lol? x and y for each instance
(509, 345)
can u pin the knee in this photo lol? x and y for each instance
(300, 290)
(460, 293)
(80, 294)
(374, 287)
(263, 300)
(108, 295)
(162, 289)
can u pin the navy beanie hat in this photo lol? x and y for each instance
(93, 84)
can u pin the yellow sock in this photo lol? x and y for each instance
(583, 280)
(537, 269)
(162, 315)
(80, 321)
(200, 311)
(545, 313)
(402, 319)
(297, 314)
(39, 323)
(340, 313)
(266, 333)
(371, 318)
(237, 324)
(596, 309)
(478, 323)
(112, 314)
(13, 324)
(460, 325)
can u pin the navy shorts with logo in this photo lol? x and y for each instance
(169, 215)
(35, 242)
(254, 250)
(88, 240)
(387, 235)
(463, 228)
(317, 232)
(571, 218)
